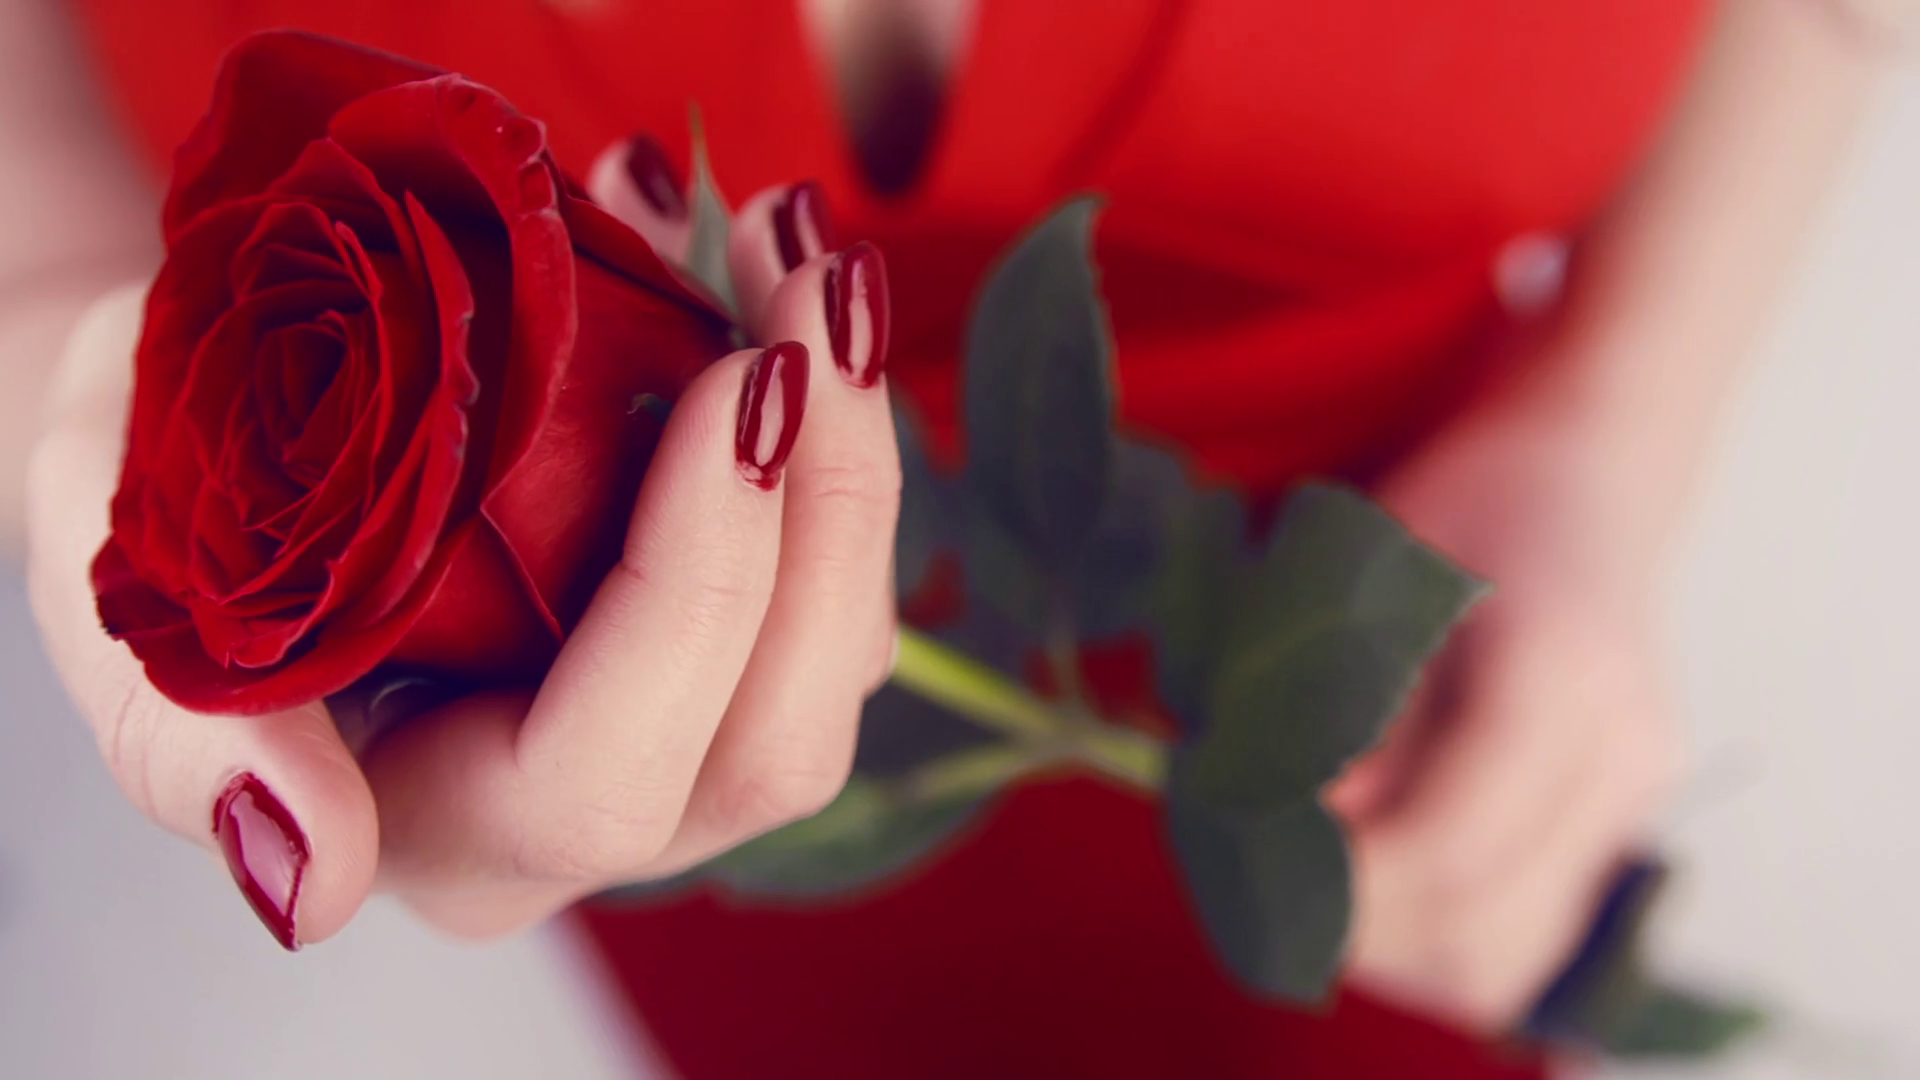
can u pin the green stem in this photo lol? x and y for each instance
(951, 678)
(962, 684)
(1127, 756)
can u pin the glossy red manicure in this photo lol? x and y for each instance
(801, 225)
(651, 172)
(859, 313)
(773, 396)
(266, 851)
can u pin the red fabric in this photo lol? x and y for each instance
(1305, 200)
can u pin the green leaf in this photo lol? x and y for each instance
(1005, 574)
(1117, 576)
(1273, 887)
(707, 253)
(1205, 556)
(923, 506)
(866, 835)
(900, 732)
(1672, 1024)
(1329, 635)
(1039, 394)
(1607, 1000)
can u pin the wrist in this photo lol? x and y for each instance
(1551, 484)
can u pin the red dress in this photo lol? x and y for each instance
(1306, 201)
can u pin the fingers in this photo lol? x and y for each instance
(774, 232)
(278, 795)
(1471, 900)
(591, 785)
(786, 744)
(635, 181)
(714, 689)
(1370, 786)
(1510, 740)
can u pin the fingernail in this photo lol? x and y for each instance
(772, 398)
(801, 225)
(654, 175)
(266, 851)
(858, 313)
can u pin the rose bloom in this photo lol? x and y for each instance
(391, 401)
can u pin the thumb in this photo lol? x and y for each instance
(279, 795)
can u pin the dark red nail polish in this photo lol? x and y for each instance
(655, 176)
(266, 851)
(801, 225)
(859, 313)
(772, 399)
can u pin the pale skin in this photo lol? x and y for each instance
(756, 621)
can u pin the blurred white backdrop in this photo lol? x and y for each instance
(1795, 639)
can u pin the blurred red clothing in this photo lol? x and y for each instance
(1306, 202)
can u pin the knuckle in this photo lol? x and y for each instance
(856, 496)
(765, 798)
(709, 592)
(595, 840)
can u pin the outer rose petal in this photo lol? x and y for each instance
(616, 246)
(275, 93)
(179, 667)
(481, 622)
(563, 510)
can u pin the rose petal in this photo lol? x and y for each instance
(190, 442)
(622, 251)
(462, 149)
(387, 556)
(596, 444)
(275, 93)
(480, 622)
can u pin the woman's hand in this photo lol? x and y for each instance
(1491, 823)
(712, 691)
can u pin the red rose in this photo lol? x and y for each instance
(388, 405)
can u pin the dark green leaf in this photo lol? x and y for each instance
(1606, 999)
(1039, 392)
(861, 838)
(1668, 1023)
(923, 506)
(901, 731)
(1605, 969)
(707, 253)
(1004, 574)
(1114, 583)
(1273, 888)
(1205, 557)
(1329, 635)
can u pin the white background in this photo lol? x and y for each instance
(1794, 636)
